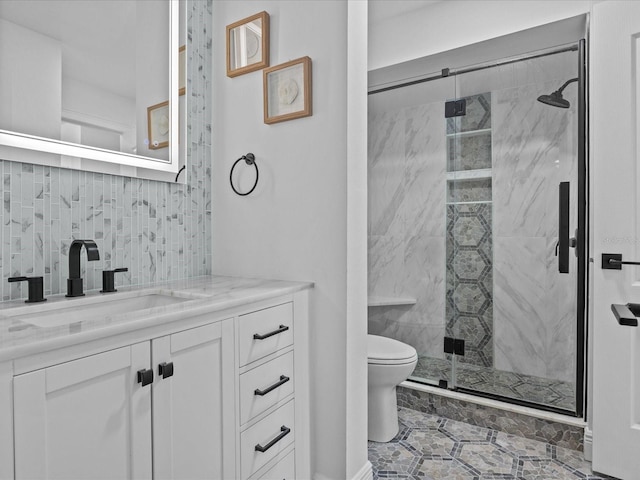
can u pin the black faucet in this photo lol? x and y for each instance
(74, 282)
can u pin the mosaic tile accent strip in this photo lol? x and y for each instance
(159, 231)
(478, 116)
(469, 151)
(525, 426)
(434, 447)
(545, 391)
(469, 307)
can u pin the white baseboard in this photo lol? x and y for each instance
(588, 444)
(365, 473)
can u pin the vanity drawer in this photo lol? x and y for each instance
(264, 332)
(271, 434)
(285, 469)
(264, 386)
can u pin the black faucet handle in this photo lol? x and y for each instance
(108, 282)
(36, 288)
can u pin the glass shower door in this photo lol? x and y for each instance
(407, 224)
(512, 275)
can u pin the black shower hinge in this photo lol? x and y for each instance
(448, 344)
(455, 108)
(454, 346)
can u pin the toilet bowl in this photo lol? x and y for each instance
(390, 363)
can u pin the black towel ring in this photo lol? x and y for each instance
(250, 159)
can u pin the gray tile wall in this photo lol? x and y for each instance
(159, 231)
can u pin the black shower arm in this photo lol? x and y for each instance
(567, 83)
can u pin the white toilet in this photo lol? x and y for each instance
(390, 363)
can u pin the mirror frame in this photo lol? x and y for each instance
(13, 144)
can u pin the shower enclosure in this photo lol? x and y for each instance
(477, 221)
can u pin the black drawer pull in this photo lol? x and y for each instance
(281, 328)
(285, 431)
(282, 381)
(165, 369)
(145, 377)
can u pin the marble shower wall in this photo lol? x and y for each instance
(407, 192)
(534, 149)
(159, 231)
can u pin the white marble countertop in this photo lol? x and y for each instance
(201, 295)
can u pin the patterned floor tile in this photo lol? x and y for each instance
(441, 468)
(523, 447)
(464, 431)
(430, 447)
(430, 442)
(487, 459)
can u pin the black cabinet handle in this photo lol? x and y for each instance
(283, 379)
(281, 328)
(625, 315)
(165, 370)
(145, 376)
(285, 431)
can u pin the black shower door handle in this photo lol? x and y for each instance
(562, 248)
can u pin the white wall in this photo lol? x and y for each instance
(450, 24)
(304, 213)
(30, 81)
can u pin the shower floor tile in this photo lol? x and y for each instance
(554, 393)
(429, 447)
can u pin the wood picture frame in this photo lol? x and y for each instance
(182, 70)
(287, 91)
(248, 44)
(158, 125)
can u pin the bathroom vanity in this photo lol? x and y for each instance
(201, 378)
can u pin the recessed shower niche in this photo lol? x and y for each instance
(464, 174)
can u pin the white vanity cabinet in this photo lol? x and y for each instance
(229, 398)
(84, 418)
(93, 417)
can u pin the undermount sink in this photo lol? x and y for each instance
(65, 313)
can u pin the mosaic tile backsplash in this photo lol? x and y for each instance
(159, 231)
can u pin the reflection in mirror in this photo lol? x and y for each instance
(248, 44)
(85, 73)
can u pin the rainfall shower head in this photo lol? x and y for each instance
(555, 99)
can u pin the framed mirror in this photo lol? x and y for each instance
(77, 80)
(248, 44)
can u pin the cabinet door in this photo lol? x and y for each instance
(85, 419)
(191, 436)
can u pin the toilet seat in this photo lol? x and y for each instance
(387, 351)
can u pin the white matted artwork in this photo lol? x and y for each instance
(287, 91)
(158, 125)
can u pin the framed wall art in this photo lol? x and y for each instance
(182, 70)
(158, 125)
(248, 44)
(287, 91)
